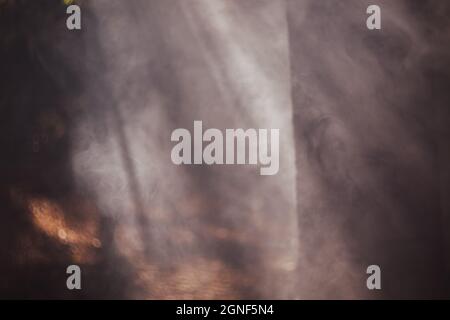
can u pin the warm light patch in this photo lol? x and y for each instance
(49, 218)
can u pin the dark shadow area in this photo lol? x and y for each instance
(37, 87)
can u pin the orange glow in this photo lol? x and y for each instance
(49, 218)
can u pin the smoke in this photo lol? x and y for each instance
(87, 176)
(366, 111)
(165, 65)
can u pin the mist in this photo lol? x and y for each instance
(87, 176)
